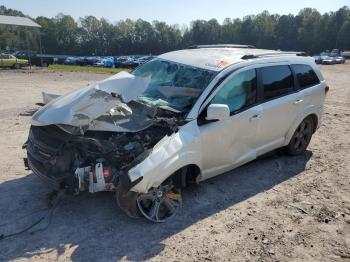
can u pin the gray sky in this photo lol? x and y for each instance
(173, 12)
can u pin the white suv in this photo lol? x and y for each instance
(182, 117)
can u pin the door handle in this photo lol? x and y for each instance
(298, 101)
(255, 117)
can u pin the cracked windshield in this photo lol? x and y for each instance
(173, 85)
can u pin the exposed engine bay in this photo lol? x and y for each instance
(58, 155)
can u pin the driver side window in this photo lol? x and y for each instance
(239, 92)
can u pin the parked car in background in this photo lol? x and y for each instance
(35, 59)
(328, 60)
(98, 62)
(12, 61)
(339, 60)
(108, 62)
(59, 59)
(143, 59)
(318, 59)
(71, 61)
(119, 61)
(105, 62)
(334, 53)
(83, 61)
(346, 54)
(126, 61)
(130, 61)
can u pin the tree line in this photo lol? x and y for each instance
(307, 31)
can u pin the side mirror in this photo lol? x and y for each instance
(217, 112)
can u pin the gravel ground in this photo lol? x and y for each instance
(274, 209)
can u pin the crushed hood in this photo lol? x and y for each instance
(81, 107)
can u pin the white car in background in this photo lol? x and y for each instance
(180, 118)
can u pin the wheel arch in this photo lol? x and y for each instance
(186, 175)
(181, 166)
(314, 120)
(296, 123)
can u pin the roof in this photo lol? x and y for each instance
(215, 59)
(221, 46)
(17, 20)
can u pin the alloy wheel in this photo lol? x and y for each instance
(160, 204)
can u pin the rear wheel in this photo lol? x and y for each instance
(301, 137)
(161, 203)
(16, 66)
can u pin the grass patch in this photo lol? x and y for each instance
(89, 69)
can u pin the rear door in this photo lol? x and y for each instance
(279, 101)
(309, 86)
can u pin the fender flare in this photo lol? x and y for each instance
(308, 111)
(167, 169)
(179, 162)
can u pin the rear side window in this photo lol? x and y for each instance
(277, 81)
(306, 76)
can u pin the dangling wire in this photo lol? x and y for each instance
(49, 215)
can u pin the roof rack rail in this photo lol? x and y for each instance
(252, 56)
(220, 46)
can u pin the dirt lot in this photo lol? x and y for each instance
(277, 208)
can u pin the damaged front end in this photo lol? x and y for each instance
(89, 139)
(69, 161)
(126, 134)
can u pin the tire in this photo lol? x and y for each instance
(301, 138)
(17, 66)
(126, 200)
(160, 204)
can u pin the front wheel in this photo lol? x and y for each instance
(16, 66)
(301, 137)
(161, 203)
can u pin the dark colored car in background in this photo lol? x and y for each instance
(35, 58)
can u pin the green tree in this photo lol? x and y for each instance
(308, 31)
(310, 28)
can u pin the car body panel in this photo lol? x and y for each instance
(281, 111)
(227, 143)
(81, 107)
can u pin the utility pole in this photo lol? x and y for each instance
(30, 62)
(41, 51)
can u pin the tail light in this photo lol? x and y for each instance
(326, 89)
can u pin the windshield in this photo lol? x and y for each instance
(173, 85)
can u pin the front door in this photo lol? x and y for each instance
(231, 142)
